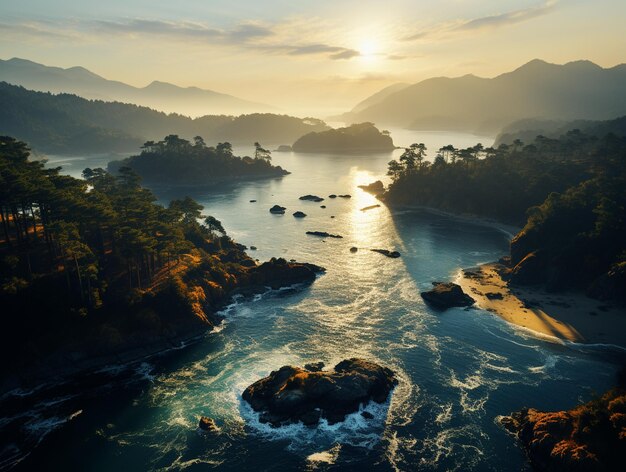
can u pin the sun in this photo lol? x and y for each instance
(369, 49)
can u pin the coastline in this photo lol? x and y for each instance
(509, 230)
(567, 317)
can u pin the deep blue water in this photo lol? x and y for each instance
(458, 370)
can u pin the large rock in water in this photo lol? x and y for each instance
(293, 394)
(447, 295)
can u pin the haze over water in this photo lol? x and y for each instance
(458, 370)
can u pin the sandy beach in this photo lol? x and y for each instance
(566, 316)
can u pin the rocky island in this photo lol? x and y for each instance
(357, 138)
(294, 394)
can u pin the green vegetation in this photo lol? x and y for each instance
(68, 124)
(363, 137)
(177, 161)
(571, 189)
(94, 267)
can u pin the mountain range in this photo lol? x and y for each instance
(537, 90)
(162, 96)
(67, 124)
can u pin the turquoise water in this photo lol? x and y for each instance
(458, 370)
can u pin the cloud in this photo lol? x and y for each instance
(185, 30)
(275, 39)
(446, 30)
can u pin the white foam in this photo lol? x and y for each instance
(355, 430)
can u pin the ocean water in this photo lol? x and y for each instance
(459, 370)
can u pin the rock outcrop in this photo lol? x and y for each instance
(323, 234)
(447, 295)
(293, 394)
(590, 437)
(299, 214)
(278, 210)
(371, 207)
(375, 188)
(312, 198)
(207, 424)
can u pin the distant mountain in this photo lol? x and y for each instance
(528, 130)
(576, 90)
(159, 95)
(68, 124)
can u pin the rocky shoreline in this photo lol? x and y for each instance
(589, 437)
(69, 363)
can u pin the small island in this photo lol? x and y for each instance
(176, 161)
(357, 138)
(294, 394)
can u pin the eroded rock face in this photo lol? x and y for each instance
(447, 295)
(589, 437)
(292, 394)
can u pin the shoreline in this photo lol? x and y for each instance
(508, 229)
(566, 317)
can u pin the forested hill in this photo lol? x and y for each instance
(176, 161)
(93, 268)
(67, 124)
(568, 193)
(528, 130)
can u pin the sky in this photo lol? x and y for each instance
(308, 57)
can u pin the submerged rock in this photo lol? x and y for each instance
(207, 424)
(385, 252)
(323, 234)
(354, 249)
(252, 201)
(447, 295)
(278, 210)
(371, 207)
(332, 195)
(292, 394)
(312, 198)
(299, 214)
(322, 206)
(253, 248)
(345, 196)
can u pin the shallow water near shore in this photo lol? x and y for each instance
(458, 370)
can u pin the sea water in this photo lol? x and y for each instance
(458, 370)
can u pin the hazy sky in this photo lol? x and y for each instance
(322, 55)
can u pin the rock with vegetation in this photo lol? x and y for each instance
(357, 138)
(293, 394)
(589, 437)
(447, 295)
